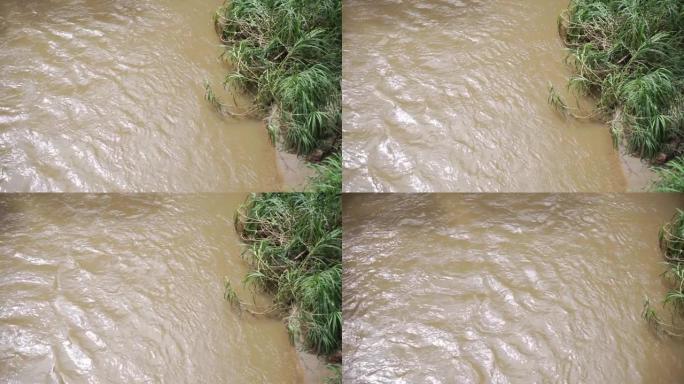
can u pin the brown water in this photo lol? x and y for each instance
(100, 95)
(505, 289)
(128, 289)
(451, 95)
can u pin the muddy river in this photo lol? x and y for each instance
(505, 289)
(100, 95)
(451, 95)
(128, 289)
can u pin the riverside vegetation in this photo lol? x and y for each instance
(294, 245)
(629, 55)
(671, 240)
(288, 55)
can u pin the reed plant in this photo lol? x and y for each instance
(294, 247)
(629, 55)
(288, 54)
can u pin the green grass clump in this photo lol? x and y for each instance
(629, 54)
(336, 374)
(671, 177)
(211, 97)
(328, 177)
(288, 54)
(295, 251)
(671, 240)
(556, 100)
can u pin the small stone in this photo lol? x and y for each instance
(316, 155)
(661, 158)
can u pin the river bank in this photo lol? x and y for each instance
(629, 56)
(294, 246)
(287, 57)
(671, 241)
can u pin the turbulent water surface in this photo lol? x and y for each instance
(505, 289)
(99, 95)
(128, 289)
(451, 95)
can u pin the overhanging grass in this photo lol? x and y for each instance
(294, 246)
(629, 55)
(288, 54)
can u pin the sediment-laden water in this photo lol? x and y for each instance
(128, 289)
(505, 289)
(451, 95)
(107, 96)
